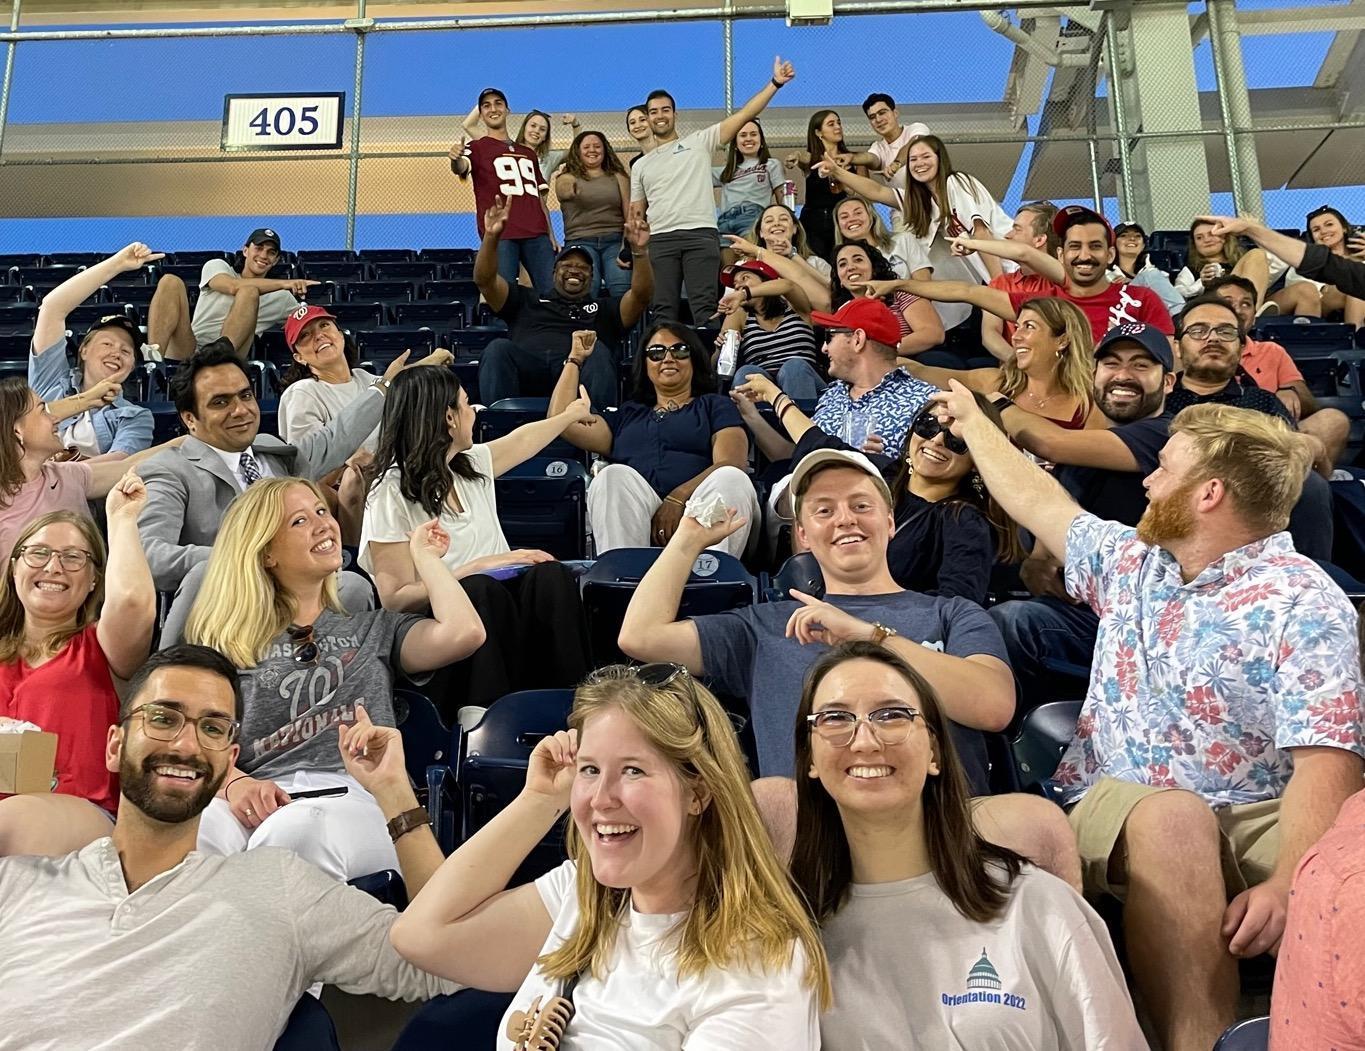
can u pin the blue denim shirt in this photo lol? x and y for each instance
(892, 406)
(121, 427)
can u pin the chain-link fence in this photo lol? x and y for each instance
(116, 134)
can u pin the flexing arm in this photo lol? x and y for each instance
(75, 290)
(1029, 495)
(783, 72)
(128, 615)
(454, 630)
(590, 433)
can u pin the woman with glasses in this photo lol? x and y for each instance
(1308, 298)
(269, 603)
(674, 439)
(416, 477)
(671, 926)
(1003, 955)
(69, 622)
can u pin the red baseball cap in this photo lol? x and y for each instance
(871, 315)
(1073, 214)
(294, 323)
(727, 276)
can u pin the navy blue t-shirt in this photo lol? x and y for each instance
(1118, 495)
(672, 447)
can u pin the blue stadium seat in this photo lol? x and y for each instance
(20, 261)
(448, 255)
(470, 1018)
(335, 271)
(326, 255)
(542, 504)
(385, 344)
(442, 317)
(309, 1028)
(187, 272)
(270, 346)
(13, 366)
(469, 342)
(198, 258)
(507, 414)
(359, 315)
(381, 292)
(1250, 1034)
(281, 271)
(463, 292)
(718, 582)
(408, 271)
(1177, 241)
(801, 572)
(85, 315)
(76, 259)
(1043, 737)
(139, 296)
(13, 293)
(467, 372)
(387, 255)
(18, 319)
(141, 276)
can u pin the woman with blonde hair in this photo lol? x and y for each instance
(1003, 955)
(672, 925)
(269, 603)
(70, 623)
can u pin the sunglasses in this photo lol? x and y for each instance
(305, 649)
(658, 676)
(657, 351)
(926, 425)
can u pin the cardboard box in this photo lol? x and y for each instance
(26, 762)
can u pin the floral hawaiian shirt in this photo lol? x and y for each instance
(890, 408)
(1204, 685)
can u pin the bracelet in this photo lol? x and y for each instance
(571, 360)
(227, 787)
(777, 403)
(748, 293)
(880, 633)
(776, 85)
(671, 499)
(408, 820)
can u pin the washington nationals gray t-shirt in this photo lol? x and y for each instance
(290, 709)
(745, 653)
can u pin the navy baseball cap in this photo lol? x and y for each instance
(123, 323)
(576, 250)
(1148, 337)
(264, 236)
(494, 92)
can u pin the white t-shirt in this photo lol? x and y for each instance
(310, 405)
(213, 307)
(675, 179)
(968, 201)
(641, 1005)
(475, 532)
(910, 971)
(906, 255)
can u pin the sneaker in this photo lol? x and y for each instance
(151, 352)
(1269, 309)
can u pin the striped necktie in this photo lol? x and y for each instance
(251, 470)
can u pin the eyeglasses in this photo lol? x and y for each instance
(305, 649)
(1202, 333)
(160, 723)
(927, 426)
(889, 726)
(37, 556)
(657, 351)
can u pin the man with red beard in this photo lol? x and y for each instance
(1221, 730)
(139, 940)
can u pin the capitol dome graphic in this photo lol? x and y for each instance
(983, 975)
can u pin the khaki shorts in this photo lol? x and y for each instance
(1250, 835)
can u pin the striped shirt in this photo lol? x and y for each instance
(793, 338)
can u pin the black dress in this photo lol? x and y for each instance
(817, 214)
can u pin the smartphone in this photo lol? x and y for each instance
(319, 793)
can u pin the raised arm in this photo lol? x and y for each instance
(636, 300)
(783, 72)
(454, 630)
(1290, 249)
(50, 327)
(465, 925)
(994, 300)
(128, 615)
(527, 440)
(105, 474)
(1029, 495)
(590, 433)
(1025, 254)
(491, 285)
(798, 273)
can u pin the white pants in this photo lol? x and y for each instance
(621, 505)
(345, 836)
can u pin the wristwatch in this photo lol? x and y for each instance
(408, 820)
(880, 633)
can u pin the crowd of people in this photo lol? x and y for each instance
(928, 410)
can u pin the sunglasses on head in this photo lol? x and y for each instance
(926, 425)
(657, 351)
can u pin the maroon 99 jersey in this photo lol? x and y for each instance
(505, 169)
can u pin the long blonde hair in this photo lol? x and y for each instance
(1076, 360)
(240, 607)
(746, 911)
(877, 232)
(12, 612)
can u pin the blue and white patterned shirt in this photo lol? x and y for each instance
(891, 407)
(1204, 686)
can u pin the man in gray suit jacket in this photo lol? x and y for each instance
(189, 488)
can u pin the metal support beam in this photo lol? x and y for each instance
(1118, 114)
(360, 25)
(1235, 104)
(9, 72)
(728, 30)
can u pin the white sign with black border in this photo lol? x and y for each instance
(283, 122)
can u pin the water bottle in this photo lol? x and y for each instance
(789, 194)
(728, 360)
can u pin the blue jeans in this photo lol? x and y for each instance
(1042, 636)
(610, 278)
(535, 254)
(797, 378)
(739, 220)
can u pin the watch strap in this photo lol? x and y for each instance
(407, 821)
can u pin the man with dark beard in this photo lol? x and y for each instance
(1221, 729)
(138, 940)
